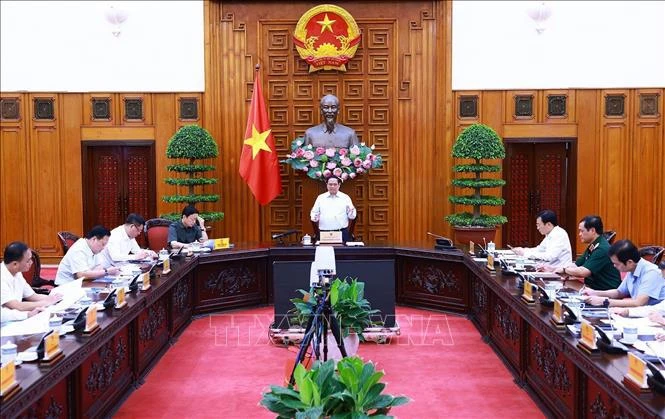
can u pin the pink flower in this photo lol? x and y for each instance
(370, 157)
(305, 169)
(367, 164)
(330, 152)
(309, 155)
(355, 150)
(318, 174)
(331, 165)
(314, 163)
(320, 150)
(299, 152)
(360, 170)
(337, 172)
(343, 151)
(346, 161)
(357, 162)
(345, 176)
(327, 173)
(352, 175)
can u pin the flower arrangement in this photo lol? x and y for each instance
(321, 163)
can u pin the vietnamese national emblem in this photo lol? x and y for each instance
(326, 37)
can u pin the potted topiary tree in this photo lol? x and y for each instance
(193, 143)
(477, 142)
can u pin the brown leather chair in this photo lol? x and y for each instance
(67, 239)
(610, 236)
(157, 233)
(33, 276)
(652, 253)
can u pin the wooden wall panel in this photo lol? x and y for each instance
(614, 166)
(14, 179)
(45, 181)
(648, 160)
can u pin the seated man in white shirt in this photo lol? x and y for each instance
(555, 249)
(80, 260)
(122, 245)
(333, 209)
(19, 301)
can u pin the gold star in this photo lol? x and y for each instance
(326, 23)
(258, 141)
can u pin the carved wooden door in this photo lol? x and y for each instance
(539, 176)
(119, 180)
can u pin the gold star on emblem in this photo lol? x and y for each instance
(258, 141)
(326, 23)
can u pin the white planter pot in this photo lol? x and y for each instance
(351, 344)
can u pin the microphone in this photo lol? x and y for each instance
(284, 234)
(655, 381)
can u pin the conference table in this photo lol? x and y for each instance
(99, 371)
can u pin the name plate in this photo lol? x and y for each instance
(490, 262)
(529, 290)
(52, 343)
(587, 335)
(637, 370)
(145, 279)
(472, 246)
(330, 237)
(120, 301)
(222, 243)
(557, 313)
(166, 266)
(90, 319)
(7, 377)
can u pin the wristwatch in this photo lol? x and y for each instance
(106, 271)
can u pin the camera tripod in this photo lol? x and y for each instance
(319, 321)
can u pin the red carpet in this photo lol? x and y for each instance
(222, 363)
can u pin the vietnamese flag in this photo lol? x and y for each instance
(259, 166)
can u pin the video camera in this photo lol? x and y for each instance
(323, 268)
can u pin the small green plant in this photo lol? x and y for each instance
(354, 391)
(347, 300)
(193, 143)
(477, 142)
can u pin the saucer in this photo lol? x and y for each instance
(27, 356)
(201, 250)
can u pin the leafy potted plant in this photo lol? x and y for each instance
(353, 391)
(478, 142)
(350, 307)
(192, 143)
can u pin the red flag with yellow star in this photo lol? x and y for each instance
(259, 166)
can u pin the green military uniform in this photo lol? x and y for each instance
(604, 275)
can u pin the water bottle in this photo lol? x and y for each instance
(163, 254)
(491, 247)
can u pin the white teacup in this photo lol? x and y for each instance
(630, 334)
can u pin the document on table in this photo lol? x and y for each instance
(71, 293)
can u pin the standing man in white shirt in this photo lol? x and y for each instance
(19, 300)
(80, 260)
(555, 248)
(333, 209)
(122, 245)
